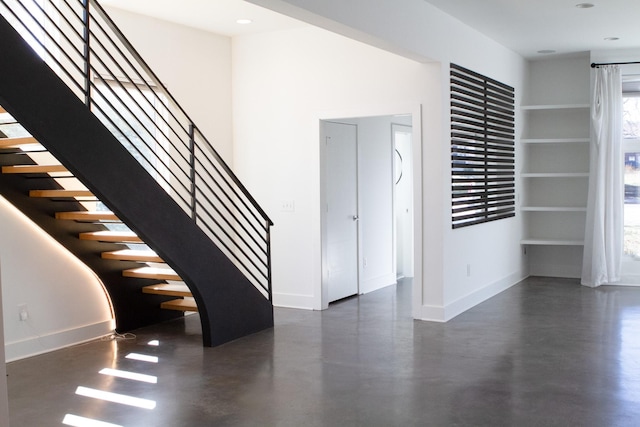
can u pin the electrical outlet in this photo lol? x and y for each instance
(23, 312)
(287, 206)
(364, 262)
(468, 270)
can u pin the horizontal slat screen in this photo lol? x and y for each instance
(482, 148)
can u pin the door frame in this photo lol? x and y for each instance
(320, 294)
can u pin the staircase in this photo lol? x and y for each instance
(113, 242)
(168, 228)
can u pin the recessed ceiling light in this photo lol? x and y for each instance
(244, 21)
(611, 39)
(546, 51)
(584, 5)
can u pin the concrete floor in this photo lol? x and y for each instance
(546, 352)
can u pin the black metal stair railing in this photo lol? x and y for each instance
(80, 42)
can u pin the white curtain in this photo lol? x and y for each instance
(604, 230)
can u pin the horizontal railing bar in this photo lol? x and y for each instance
(133, 144)
(40, 42)
(106, 84)
(234, 231)
(107, 117)
(142, 78)
(133, 51)
(235, 179)
(238, 208)
(231, 252)
(244, 201)
(248, 233)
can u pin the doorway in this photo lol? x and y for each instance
(362, 213)
(403, 199)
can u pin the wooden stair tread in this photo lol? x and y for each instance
(15, 142)
(111, 236)
(60, 193)
(2, 110)
(132, 255)
(152, 273)
(33, 169)
(187, 304)
(174, 290)
(87, 216)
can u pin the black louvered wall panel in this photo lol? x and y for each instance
(482, 148)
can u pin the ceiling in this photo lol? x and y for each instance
(528, 26)
(218, 16)
(525, 27)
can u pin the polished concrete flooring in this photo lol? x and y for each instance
(546, 352)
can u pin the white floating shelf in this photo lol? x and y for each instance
(554, 140)
(552, 242)
(553, 209)
(555, 107)
(555, 175)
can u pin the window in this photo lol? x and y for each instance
(482, 148)
(137, 117)
(631, 149)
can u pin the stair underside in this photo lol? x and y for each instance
(60, 193)
(173, 290)
(152, 273)
(18, 169)
(17, 142)
(132, 255)
(87, 216)
(111, 236)
(187, 304)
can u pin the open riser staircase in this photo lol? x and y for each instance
(168, 234)
(48, 193)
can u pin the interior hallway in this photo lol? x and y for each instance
(546, 352)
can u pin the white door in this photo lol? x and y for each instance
(340, 210)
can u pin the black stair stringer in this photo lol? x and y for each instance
(229, 305)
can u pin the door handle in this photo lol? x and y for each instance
(356, 218)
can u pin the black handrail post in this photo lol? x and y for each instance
(192, 165)
(268, 242)
(86, 16)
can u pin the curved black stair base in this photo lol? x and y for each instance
(229, 305)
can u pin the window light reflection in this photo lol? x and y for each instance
(154, 343)
(130, 375)
(76, 421)
(116, 398)
(142, 357)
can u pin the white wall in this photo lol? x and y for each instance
(284, 83)
(290, 75)
(194, 65)
(65, 300)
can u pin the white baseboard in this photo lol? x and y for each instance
(304, 302)
(459, 306)
(34, 346)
